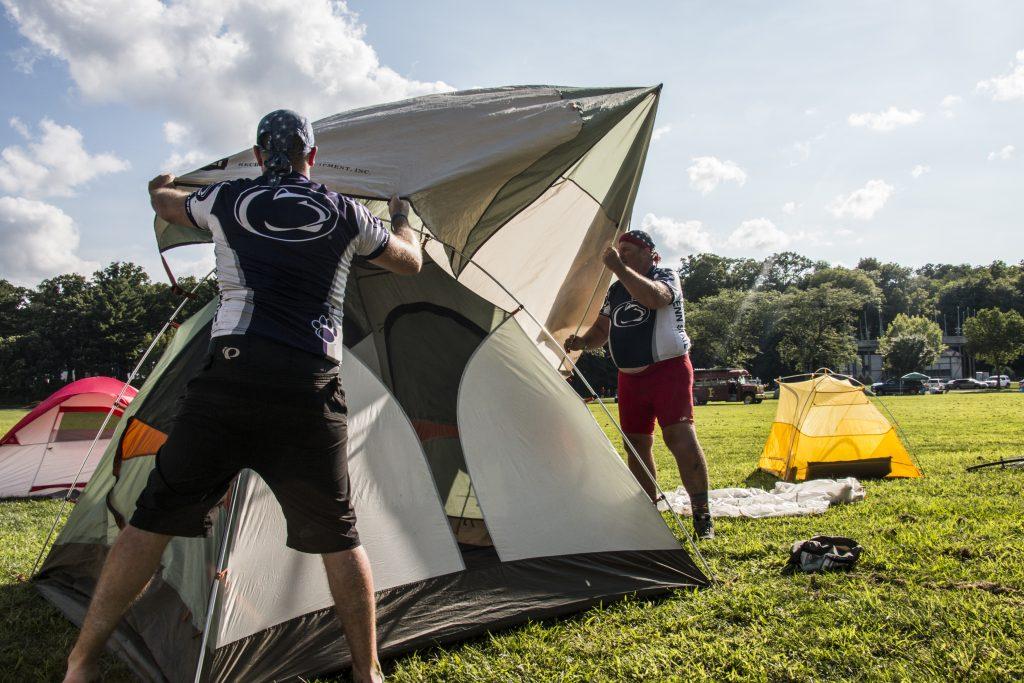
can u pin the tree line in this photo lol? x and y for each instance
(777, 316)
(788, 314)
(69, 327)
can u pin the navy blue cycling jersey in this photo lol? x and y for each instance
(283, 255)
(638, 336)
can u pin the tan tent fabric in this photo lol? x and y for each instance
(467, 448)
(826, 419)
(531, 182)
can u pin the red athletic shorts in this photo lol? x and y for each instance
(663, 390)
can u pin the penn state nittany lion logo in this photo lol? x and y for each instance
(290, 213)
(630, 314)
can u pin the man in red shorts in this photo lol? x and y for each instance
(644, 324)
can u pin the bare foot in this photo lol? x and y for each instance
(82, 673)
(374, 675)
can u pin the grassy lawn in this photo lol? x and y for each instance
(937, 596)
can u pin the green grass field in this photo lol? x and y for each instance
(938, 595)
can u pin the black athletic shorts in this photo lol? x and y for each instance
(260, 405)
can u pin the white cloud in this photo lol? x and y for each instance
(811, 111)
(758, 234)
(661, 131)
(175, 133)
(19, 127)
(678, 237)
(215, 66)
(707, 173)
(790, 208)
(1003, 154)
(864, 203)
(885, 121)
(949, 102)
(920, 170)
(1009, 86)
(196, 260)
(39, 241)
(848, 236)
(52, 165)
(803, 148)
(183, 161)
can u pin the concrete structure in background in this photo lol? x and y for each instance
(954, 362)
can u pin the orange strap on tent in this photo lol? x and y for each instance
(175, 287)
(138, 439)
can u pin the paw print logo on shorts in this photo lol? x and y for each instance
(324, 328)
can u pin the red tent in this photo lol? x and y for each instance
(43, 452)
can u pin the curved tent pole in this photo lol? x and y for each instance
(590, 388)
(113, 406)
(590, 303)
(796, 427)
(899, 428)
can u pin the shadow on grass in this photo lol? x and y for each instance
(428, 652)
(35, 638)
(759, 479)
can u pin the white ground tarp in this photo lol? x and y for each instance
(785, 500)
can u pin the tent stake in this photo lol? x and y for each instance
(625, 441)
(113, 406)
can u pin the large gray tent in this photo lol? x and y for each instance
(486, 493)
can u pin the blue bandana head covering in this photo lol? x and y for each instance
(639, 238)
(281, 134)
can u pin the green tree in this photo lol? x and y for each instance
(817, 327)
(706, 274)
(121, 317)
(13, 301)
(723, 329)
(785, 269)
(996, 337)
(910, 343)
(846, 278)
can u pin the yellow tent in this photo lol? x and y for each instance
(826, 427)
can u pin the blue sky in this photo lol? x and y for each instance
(790, 125)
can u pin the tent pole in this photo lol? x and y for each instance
(590, 303)
(49, 440)
(796, 426)
(217, 576)
(113, 406)
(632, 450)
(899, 427)
(572, 365)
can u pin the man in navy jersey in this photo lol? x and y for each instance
(644, 324)
(283, 247)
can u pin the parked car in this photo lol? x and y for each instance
(965, 384)
(897, 387)
(935, 386)
(726, 384)
(998, 381)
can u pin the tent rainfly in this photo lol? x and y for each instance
(486, 493)
(43, 453)
(825, 426)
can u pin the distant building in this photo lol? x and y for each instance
(954, 362)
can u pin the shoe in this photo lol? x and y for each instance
(704, 526)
